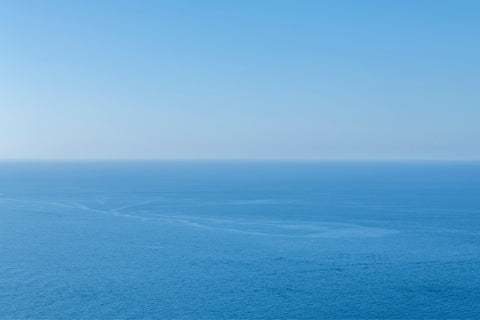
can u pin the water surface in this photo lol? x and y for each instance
(239, 240)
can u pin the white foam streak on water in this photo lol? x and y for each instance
(264, 228)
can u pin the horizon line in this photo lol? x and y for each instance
(241, 159)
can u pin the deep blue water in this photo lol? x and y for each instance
(239, 240)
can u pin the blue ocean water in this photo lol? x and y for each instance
(239, 240)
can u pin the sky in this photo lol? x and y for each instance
(151, 79)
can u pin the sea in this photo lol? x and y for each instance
(239, 240)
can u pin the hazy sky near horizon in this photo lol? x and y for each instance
(240, 79)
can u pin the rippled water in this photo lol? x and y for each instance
(267, 240)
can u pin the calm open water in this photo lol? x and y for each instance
(239, 240)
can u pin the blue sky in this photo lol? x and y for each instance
(239, 79)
